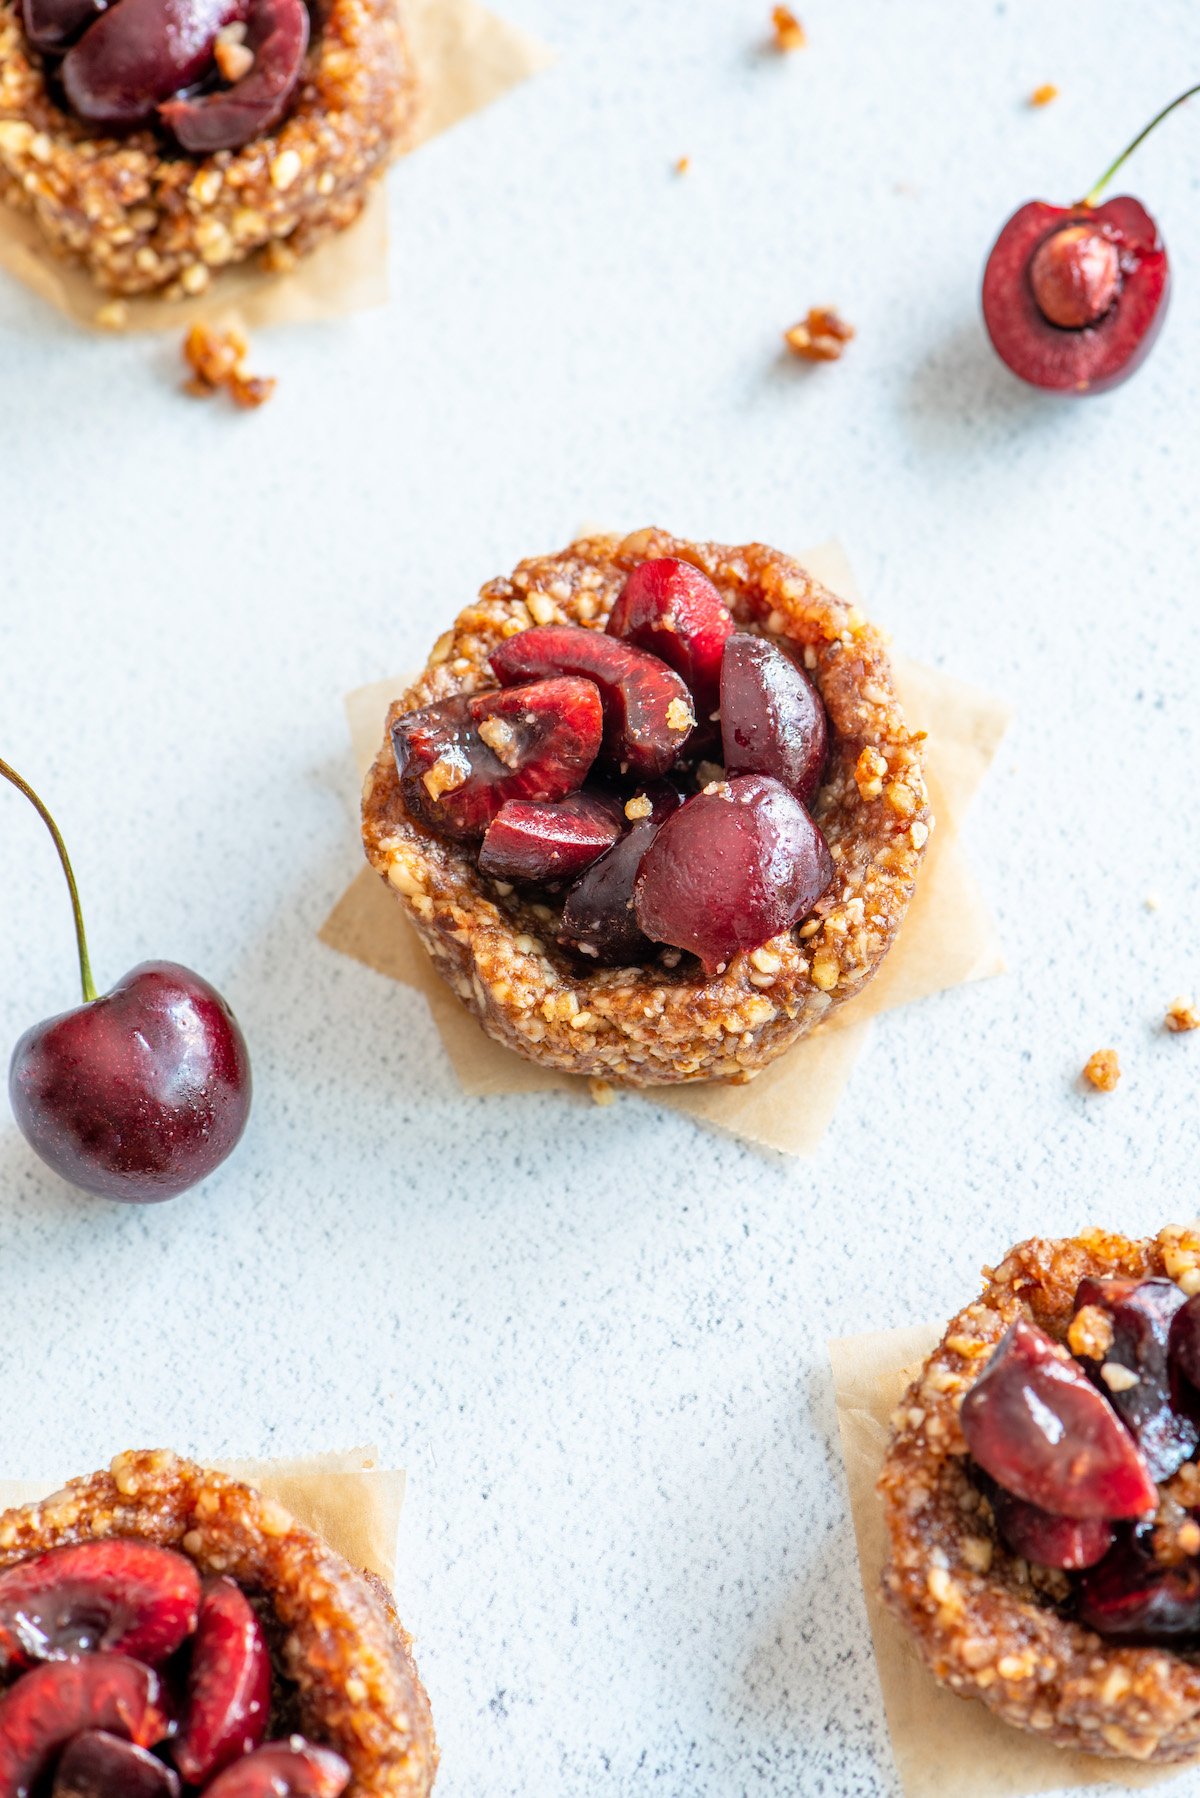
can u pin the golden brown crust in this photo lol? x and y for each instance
(981, 1618)
(664, 1023)
(351, 1661)
(146, 220)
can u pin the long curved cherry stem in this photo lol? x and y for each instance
(1094, 193)
(85, 966)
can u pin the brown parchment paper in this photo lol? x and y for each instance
(948, 938)
(345, 1497)
(944, 1746)
(466, 56)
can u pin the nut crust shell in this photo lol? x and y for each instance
(144, 218)
(981, 1618)
(658, 1024)
(342, 1644)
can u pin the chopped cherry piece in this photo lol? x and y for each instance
(229, 1685)
(139, 53)
(772, 719)
(669, 608)
(648, 714)
(114, 1595)
(225, 118)
(98, 1765)
(1035, 1422)
(291, 1769)
(552, 839)
(60, 1699)
(1130, 1597)
(1185, 1340)
(461, 759)
(1141, 1313)
(1070, 1542)
(51, 24)
(598, 919)
(734, 866)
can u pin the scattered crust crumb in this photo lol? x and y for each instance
(1182, 1015)
(602, 1091)
(218, 359)
(1103, 1070)
(113, 315)
(1152, 902)
(820, 337)
(683, 165)
(789, 32)
(1043, 95)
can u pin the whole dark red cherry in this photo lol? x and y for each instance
(1074, 296)
(225, 118)
(138, 1093)
(140, 52)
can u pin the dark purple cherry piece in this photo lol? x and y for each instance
(112, 1595)
(1131, 1598)
(550, 839)
(98, 1765)
(1036, 1535)
(291, 1769)
(139, 53)
(226, 118)
(598, 920)
(1034, 1421)
(1141, 1313)
(461, 759)
(673, 610)
(772, 718)
(1185, 1341)
(50, 25)
(228, 1685)
(736, 865)
(648, 714)
(59, 1700)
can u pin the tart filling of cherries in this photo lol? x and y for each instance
(653, 807)
(1042, 1496)
(165, 1630)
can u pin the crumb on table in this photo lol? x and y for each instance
(789, 32)
(218, 359)
(1182, 1015)
(1102, 1070)
(683, 165)
(1043, 95)
(821, 336)
(603, 1092)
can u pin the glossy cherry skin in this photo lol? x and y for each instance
(1132, 1599)
(550, 840)
(111, 1595)
(772, 718)
(140, 1094)
(225, 118)
(229, 1685)
(60, 1699)
(673, 610)
(1056, 262)
(140, 52)
(598, 919)
(98, 1765)
(1036, 1424)
(291, 1769)
(1141, 1313)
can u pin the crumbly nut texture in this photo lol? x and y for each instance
(340, 1639)
(1043, 95)
(789, 32)
(217, 359)
(1102, 1070)
(144, 220)
(1182, 1015)
(981, 1618)
(821, 336)
(667, 1022)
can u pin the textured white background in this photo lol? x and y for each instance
(596, 1338)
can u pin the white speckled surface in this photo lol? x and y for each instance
(597, 1337)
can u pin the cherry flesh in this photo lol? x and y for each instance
(140, 52)
(461, 759)
(1141, 1315)
(225, 118)
(736, 865)
(1035, 1423)
(59, 1700)
(111, 1595)
(673, 610)
(229, 1685)
(772, 719)
(291, 1769)
(1131, 1598)
(598, 918)
(1068, 1542)
(98, 1765)
(648, 713)
(551, 839)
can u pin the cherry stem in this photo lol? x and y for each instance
(1093, 194)
(85, 966)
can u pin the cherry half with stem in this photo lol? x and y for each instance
(140, 1092)
(1074, 296)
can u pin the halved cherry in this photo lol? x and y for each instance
(461, 759)
(772, 718)
(140, 52)
(598, 920)
(99, 1765)
(550, 839)
(736, 865)
(1035, 1422)
(50, 25)
(225, 118)
(60, 1699)
(1141, 1313)
(1131, 1598)
(114, 1595)
(229, 1685)
(1037, 1535)
(291, 1769)
(648, 715)
(673, 610)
